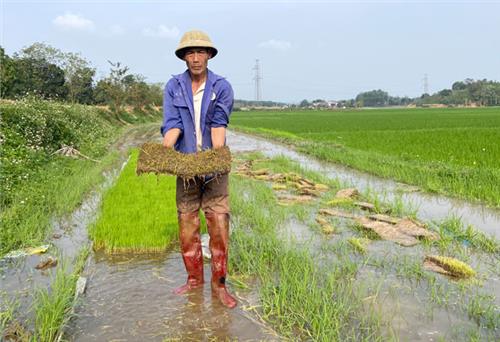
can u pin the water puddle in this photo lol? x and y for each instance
(130, 298)
(429, 206)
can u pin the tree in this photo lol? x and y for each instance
(373, 98)
(114, 88)
(38, 77)
(7, 74)
(78, 72)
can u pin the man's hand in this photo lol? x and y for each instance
(170, 138)
(218, 137)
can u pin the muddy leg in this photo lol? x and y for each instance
(189, 234)
(218, 228)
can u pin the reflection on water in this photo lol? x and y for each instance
(131, 298)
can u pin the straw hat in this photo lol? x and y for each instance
(192, 39)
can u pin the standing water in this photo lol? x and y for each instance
(429, 206)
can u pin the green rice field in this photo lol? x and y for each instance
(454, 151)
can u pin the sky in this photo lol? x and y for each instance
(306, 49)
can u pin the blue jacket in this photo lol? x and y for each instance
(178, 112)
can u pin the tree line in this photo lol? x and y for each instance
(462, 93)
(47, 72)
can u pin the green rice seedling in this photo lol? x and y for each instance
(299, 296)
(409, 268)
(482, 309)
(53, 305)
(341, 202)
(452, 230)
(138, 214)
(8, 307)
(358, 244)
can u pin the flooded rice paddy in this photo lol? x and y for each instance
(129, 297)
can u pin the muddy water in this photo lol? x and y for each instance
(429, 206)
(20, 279)
(129, 298)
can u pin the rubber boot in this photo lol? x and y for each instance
(189, 234)
(218, 229)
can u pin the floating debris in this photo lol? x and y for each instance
(326, 227)
(205, 246)
(341, 202)
(448, 266)
(388, 231)
(27, 251)
(321, 187)
(279, 187)
(81, 285)
(336, 212)
(406, 232)
(260, 172)
(282, 181)
(291, 199)
(309, 191)
(365, 206)
(416, 229)
(385, 218)
(359, 244)
(349, 193)
(46, 263)
(155, 158)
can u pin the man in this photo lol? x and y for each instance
(196, 107)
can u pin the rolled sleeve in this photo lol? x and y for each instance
(223, 106)
(171, 116)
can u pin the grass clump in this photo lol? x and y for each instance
(452, 231)
(138, 214)
(53, 306)
(359, 244)
(341, 202)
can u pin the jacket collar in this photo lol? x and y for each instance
(184, 80)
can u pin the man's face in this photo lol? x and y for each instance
(197, 60)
